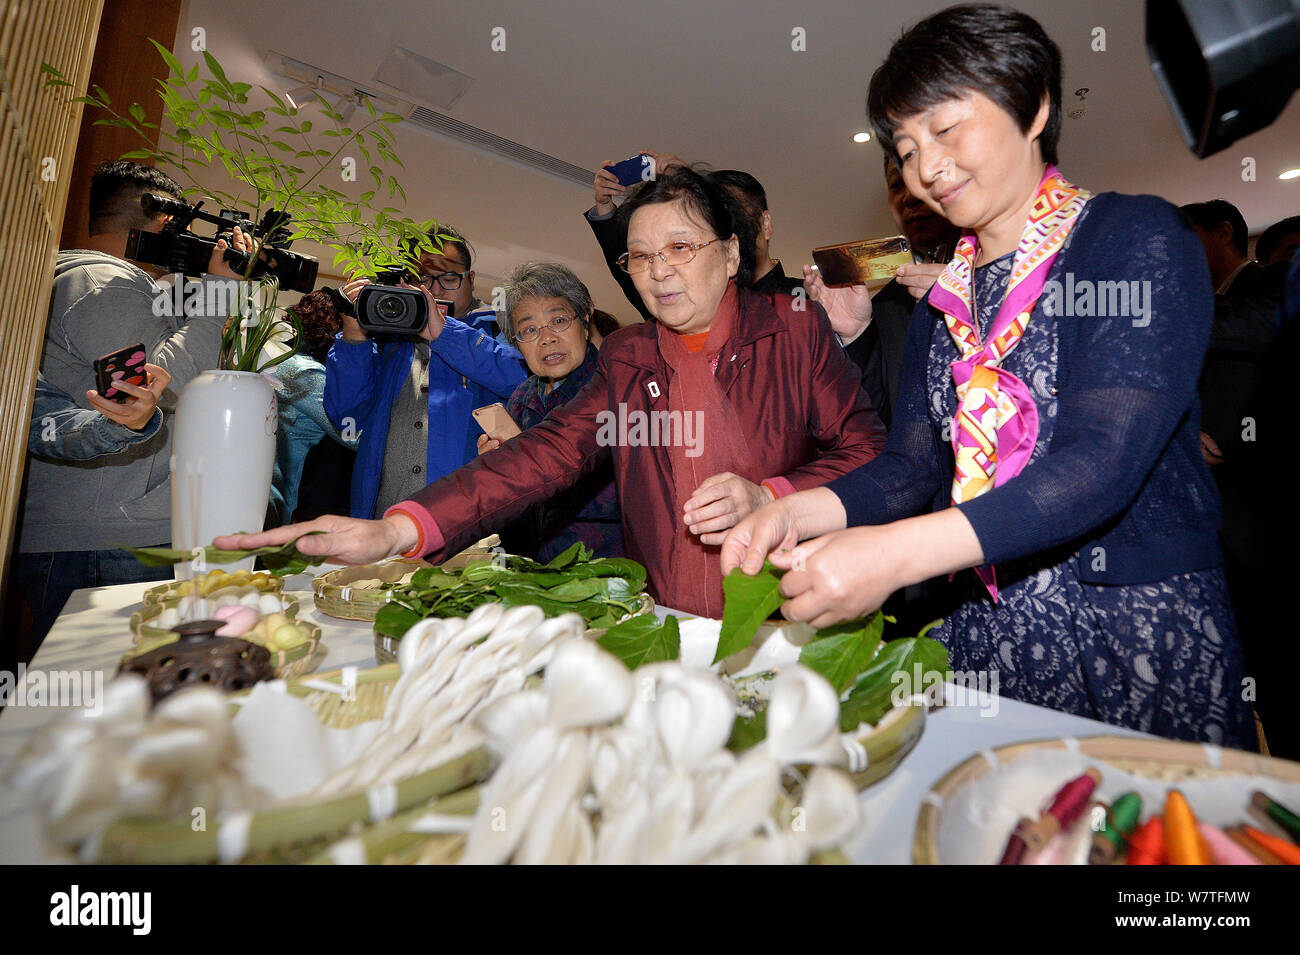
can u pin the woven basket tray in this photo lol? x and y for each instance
(294, 662)
(335, 595)
(888, 742)
(175, 589)
(144, 625)
(1161, 760)
(298, 832)
(369, 696)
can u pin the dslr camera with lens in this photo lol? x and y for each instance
(387, 309)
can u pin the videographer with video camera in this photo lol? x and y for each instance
(77, 514)
(411, 393)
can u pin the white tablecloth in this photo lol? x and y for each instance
(93, 633)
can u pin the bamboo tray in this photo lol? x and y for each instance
(889, 742)
(335, 595)
(1166, 761)
(175, 589)
(299, 832)
(144, 628)
(294, 662)
(885, 745)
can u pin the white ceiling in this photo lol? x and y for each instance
(718, 82)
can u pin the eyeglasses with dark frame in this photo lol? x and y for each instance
(532, 331)
(450, 281)
(672, 254)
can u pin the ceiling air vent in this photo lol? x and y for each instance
(490, 142)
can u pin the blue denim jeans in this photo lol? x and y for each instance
(47, 580)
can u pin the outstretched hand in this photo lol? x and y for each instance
(348, 540)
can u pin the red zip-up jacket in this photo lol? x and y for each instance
(806, 421)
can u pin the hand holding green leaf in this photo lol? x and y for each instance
(280, 559)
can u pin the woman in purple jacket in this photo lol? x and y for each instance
(1048, 420)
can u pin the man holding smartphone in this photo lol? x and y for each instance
(412, 399)
(77, 514)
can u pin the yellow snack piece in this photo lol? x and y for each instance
(288, 636)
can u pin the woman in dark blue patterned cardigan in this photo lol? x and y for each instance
(1054, 441)
(548, 317)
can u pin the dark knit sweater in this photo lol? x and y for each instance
(1123, 482)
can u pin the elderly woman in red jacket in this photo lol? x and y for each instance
(725, 402)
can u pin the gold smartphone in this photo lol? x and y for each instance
(496, 421)
(869, 262)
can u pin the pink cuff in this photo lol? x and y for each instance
(779, 486)
(430, 537)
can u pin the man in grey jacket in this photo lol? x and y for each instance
(77, 514)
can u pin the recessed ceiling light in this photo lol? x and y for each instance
(1291, 174)
(866, 138)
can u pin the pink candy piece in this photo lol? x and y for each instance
(239, 620)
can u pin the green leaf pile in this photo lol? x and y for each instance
(871, 696)
(602, 590)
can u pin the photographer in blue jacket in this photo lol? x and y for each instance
(411, 398)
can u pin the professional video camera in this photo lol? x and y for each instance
(1227, 68)
(388, 309)
(176, 249)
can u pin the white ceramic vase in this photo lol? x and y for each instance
(223, 450)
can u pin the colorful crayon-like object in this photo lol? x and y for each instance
(1121, 820)
(1147, 845)
(1223, 851)
(1016, 845)
(1259, 852)
(1066, 806)
(1182, 840)
(1051, 854)
(1286, 851)
(1277, 812)
(1069, 847)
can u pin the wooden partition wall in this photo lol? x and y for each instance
(38, 136)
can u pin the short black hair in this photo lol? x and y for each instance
(975, 47)
(1209, 214)
(115, 190)
(743, 183)
(456, 241)
(1272, 237)
(707, 199)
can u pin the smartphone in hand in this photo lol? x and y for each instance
(496, 421)
(126, 364)
(870, 262)
(637, 169)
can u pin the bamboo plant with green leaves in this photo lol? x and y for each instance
(210, 122)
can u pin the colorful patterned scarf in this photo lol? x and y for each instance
(996, 425)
